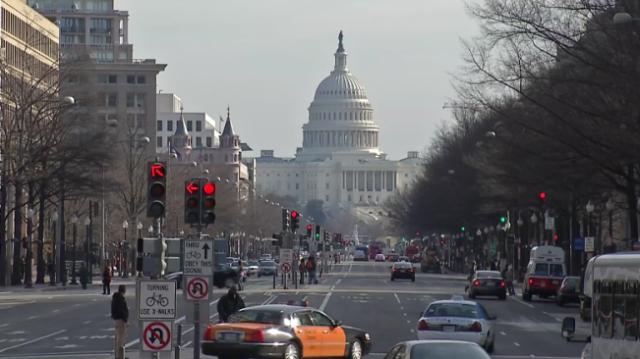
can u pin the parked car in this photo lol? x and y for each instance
(569, 291)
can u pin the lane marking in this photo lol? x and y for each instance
(397, 298)
(33, 340)
(408, 321)
(405, 314)
(503, 333)
(32, 317)
(325, 301)
(523, 302)
(338, 281)
(516, 344)
(55, 311)
(187, 343)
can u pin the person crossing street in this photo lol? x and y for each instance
(229, 304)
(120, 316)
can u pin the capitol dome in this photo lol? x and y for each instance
(340, 116)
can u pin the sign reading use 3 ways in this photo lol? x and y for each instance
(197, 288)
(156, 336)
(156, 299)
(198, 258)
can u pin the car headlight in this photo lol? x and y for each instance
(367, 337)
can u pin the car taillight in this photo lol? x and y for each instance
(209, 334)
(475, 327)
(502, 285)
(423, 325)
(393, 269)
(531, 281)
(476, 283)
(254, 336)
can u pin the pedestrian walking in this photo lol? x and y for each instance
(106, 280)
(120, 316)
(311, 270)
(508, 278)
(229, 304)
(474, 268)
(302, 268)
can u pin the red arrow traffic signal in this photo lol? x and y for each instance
(192, 187)
(157, 170)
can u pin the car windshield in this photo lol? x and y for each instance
(458, 310)
(253, 263)
(488, 274)
(267, 264)
(402, 265)
(257, 316)
(448, 351)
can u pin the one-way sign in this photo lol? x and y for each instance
(198, 257)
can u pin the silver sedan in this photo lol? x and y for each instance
(437, 349)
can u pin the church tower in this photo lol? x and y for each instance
(180, 142)
(230, 142)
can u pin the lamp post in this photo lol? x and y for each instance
(87, 225)
(28, 283)
(139, 227)
(534, 220)
(590, 208)
(125, 250)
(74, 222)
(54, 251)
(610, 206)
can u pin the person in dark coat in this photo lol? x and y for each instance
(229, 304)
(120, 316)
(302, 267)
(106, 280)
(311, 270)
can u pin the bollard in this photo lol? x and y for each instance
(121, 353)
(178, 347)
(274, 281)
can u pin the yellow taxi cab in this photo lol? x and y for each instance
(284, 331)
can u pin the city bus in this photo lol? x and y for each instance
(612, 281)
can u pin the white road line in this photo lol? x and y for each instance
(516, 344)
(325, 301)
(405, 314)
(132, 343)
(397, 299)
(55, 311)
(338, 281)
(86, 322)
(32, 317)
(503, 333)
(412, 331)
(401, 308)
(187, 343)
(33, 340)
(524, 303)
(408, 321)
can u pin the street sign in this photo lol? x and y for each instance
(156, 336)
(578, 244)
(197, 288)
(286, 255)
(286, 267)
(589, 244)
(203, 312)
(156, 299)
(198, 258)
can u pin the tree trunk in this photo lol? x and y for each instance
(41, 268)
(28, 264)
(3, 230)
(632, 211)
(17, 236)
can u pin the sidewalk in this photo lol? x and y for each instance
(95, 286)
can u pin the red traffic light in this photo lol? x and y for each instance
(209, 188)
(294, 214)
(157, 170)
(542, 196)
(555, 237)
(309, 227)
(191, 187)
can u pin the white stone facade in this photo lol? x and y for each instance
(339, 162)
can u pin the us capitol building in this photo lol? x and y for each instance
(339, 162)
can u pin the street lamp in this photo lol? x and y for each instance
(74, 221)
(139, 227)
(150, 229)
(87, 224)
(29, 272)
(125, 251)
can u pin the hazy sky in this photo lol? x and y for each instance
(265, 58)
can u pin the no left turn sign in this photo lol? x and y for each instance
(156, 336)
(197, 288)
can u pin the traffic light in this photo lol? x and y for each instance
(286, 220)
(503, 219)
(542, 196)
(309, 230)
(327, 235)
(462, 228)
(294, 221)
(208, 203)
(192, 208)
(317, 232)
(157, 189)
(555, 238)
(163, 255)
(140, 257)
(278, 240)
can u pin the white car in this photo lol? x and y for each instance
(379, 257)
(252, 268)
(458, 320)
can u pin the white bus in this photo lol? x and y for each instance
(612, 281)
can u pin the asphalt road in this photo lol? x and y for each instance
(76, 323)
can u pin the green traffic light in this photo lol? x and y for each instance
(462, 229)
(503, 219)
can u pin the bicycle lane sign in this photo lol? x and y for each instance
(156, 299)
